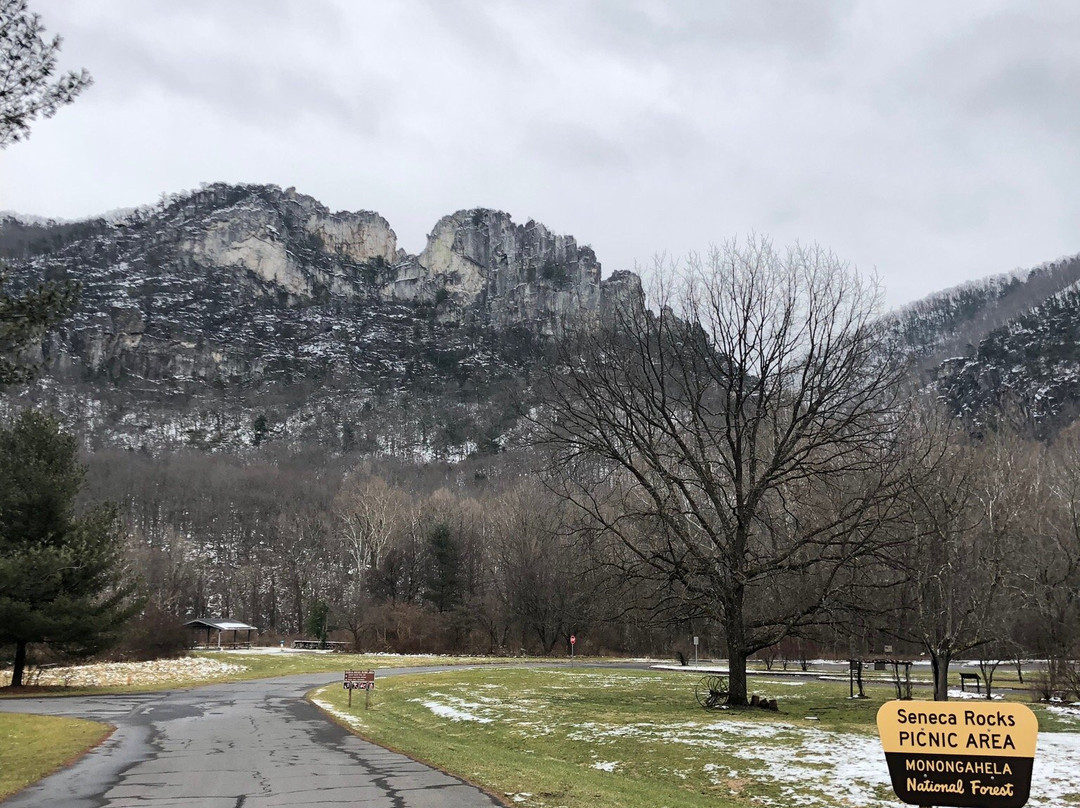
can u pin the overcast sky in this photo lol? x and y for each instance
(932, 141)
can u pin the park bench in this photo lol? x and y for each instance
(970, 677)
(315, 645)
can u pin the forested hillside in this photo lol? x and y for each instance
(1004, 344)
(295, 415)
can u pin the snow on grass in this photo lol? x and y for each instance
(116, 674)
(969, 694)
(454, 708)
(774, 763)
(824, 769)
(1055, 779)
(812, 766)
(1068, 712)
(351, 719)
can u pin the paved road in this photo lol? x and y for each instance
(252, 744)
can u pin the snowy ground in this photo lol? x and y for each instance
(810, 767)
(108, 674)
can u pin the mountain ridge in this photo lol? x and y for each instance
(232, 296)
(232, 305)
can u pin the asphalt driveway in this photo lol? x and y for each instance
(254, 744)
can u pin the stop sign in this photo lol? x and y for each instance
(573, 639)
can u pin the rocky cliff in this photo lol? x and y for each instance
(1009, 343)
(229, 304)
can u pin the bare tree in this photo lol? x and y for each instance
(368, 511)
(1054, 567)
(734, 434)
(548, 578)
(963, 509)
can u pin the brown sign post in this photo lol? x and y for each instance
(970, 754)
(360, 680)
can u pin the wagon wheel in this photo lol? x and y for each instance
(711, 692)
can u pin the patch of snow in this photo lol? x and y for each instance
(1071, 711)
(112, 674)
(347, 718)
(968, 694)
(458, 713)
(606, 765)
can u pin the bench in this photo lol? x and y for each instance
(970, 677)
(315, 645)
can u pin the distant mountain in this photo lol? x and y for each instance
(1008, 343)
(239, 314)
(236, 314)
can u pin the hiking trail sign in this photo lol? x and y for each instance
(360, 680)
(964, 753)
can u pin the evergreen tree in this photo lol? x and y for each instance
(318, 621)
(443, 588)
(27, 65)
(24, 319)
(259, 430)
(63, 580)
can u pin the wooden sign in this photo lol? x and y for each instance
(360, 680)
(966, 753)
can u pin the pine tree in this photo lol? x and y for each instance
(27, 65)
(24, 319)
(63, 579)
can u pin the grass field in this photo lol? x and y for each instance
(32, 746)
(208, 667)
(603, 738)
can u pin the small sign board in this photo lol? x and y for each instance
(359, 680)
(695, 641)
(970, 754)
(573, 639)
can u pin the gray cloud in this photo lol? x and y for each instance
(933, 141)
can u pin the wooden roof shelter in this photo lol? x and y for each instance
(211, 624)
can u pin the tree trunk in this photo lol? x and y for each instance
(20, 663)
(939, 663)
(736, 651)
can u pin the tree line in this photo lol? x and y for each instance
(743, 454)
(741, 457)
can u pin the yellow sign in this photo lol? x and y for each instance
(967, 753)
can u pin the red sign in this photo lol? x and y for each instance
(573, 639)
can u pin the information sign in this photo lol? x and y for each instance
(967, 753)
(359, 680)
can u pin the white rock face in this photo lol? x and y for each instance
(360, 236)
(252, 242)
(509, 274)
(444, 260)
